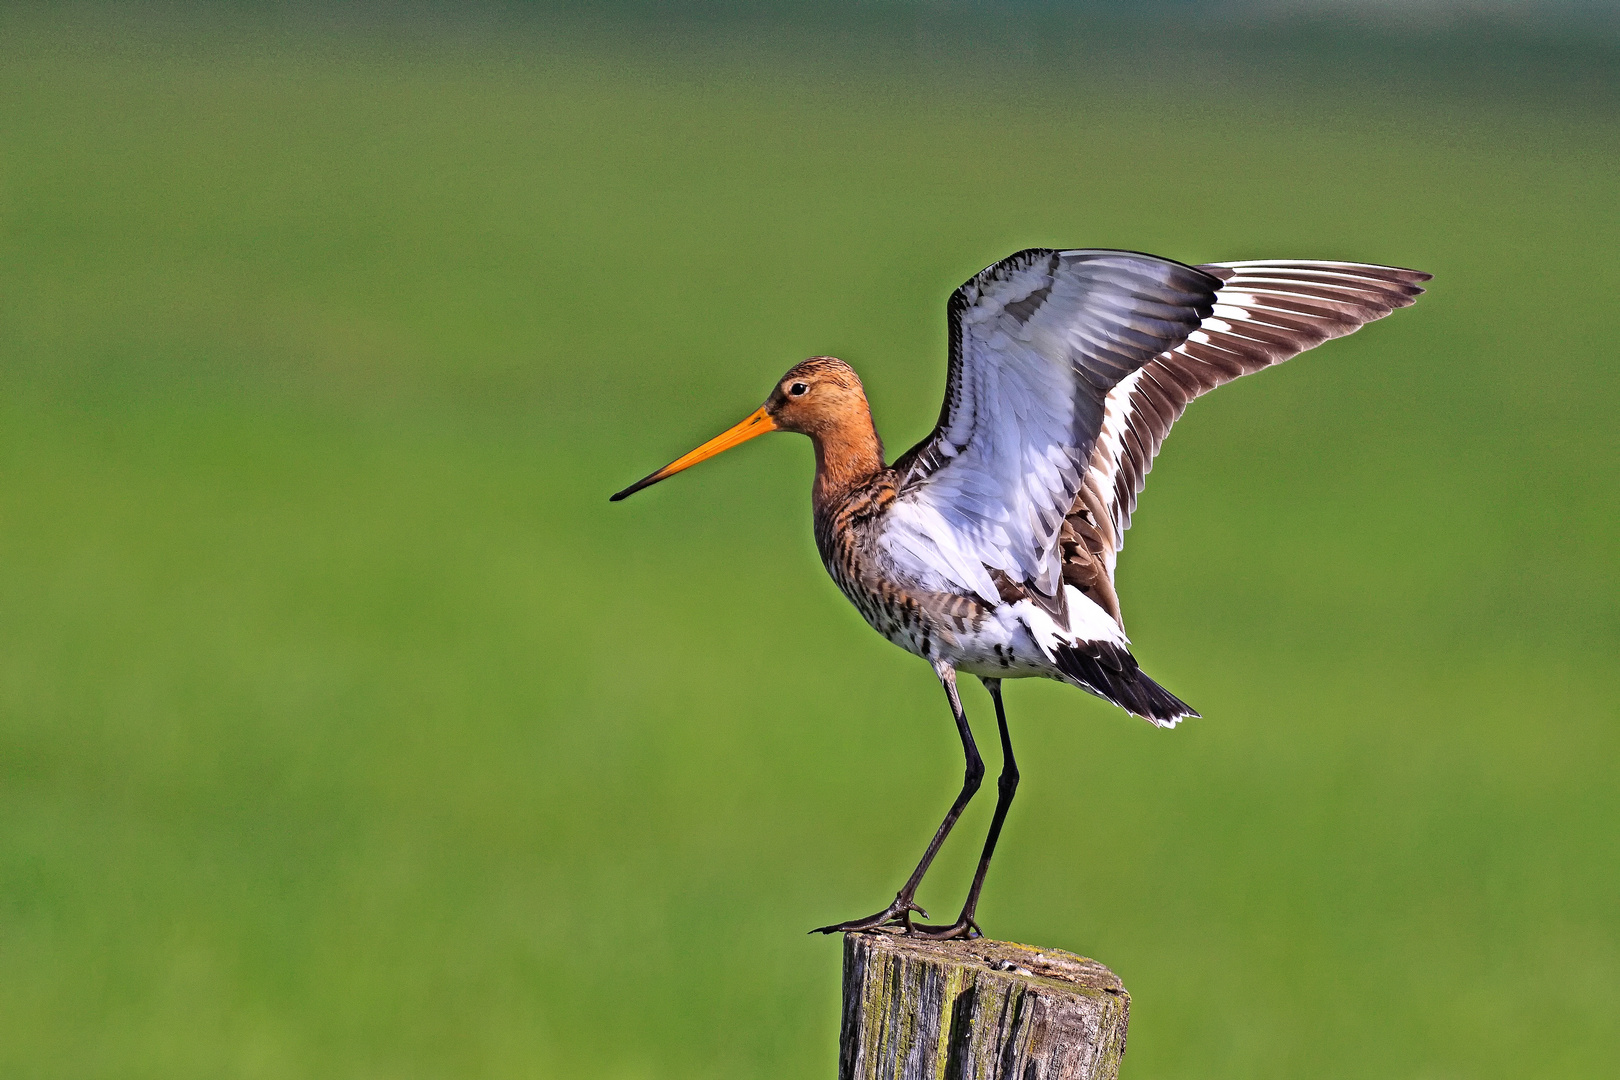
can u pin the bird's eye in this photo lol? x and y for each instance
(798, 389)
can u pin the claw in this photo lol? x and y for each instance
(963, 929)
(896, 916)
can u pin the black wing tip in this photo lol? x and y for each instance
(1402, 278)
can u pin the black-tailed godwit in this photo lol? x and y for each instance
(989, 547)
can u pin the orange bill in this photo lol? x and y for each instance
(757, 424)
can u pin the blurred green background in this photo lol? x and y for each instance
(346, 730)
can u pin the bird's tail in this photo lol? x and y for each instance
(1110, 672)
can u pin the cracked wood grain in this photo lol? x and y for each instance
(977, 1010)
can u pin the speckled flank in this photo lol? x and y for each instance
(1011, 639)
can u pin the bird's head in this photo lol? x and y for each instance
(812, 398)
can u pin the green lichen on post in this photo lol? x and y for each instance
(976, 1010)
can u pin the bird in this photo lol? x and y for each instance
(989, 548)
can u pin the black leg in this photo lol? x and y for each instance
(1006, 786)
(899, 912)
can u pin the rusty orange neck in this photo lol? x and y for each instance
(848, 454)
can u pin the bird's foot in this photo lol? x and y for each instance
(963, 929)
(894, 918)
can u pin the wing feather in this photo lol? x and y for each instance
(1263, 313)
(1038, 342)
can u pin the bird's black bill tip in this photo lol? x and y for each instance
(757, 423)
(645, 481)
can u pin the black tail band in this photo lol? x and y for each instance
(1110, 671)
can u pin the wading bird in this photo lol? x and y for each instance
(989, 547)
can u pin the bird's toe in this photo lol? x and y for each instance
(896, 917)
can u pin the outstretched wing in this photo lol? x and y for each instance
(1037, 343)
(1265, 313)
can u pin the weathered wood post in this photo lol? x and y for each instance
(977, 1010)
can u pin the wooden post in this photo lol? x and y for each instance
(977, 1010)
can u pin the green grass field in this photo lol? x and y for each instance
(346, 730)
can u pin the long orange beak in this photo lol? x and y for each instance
(757, 424)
